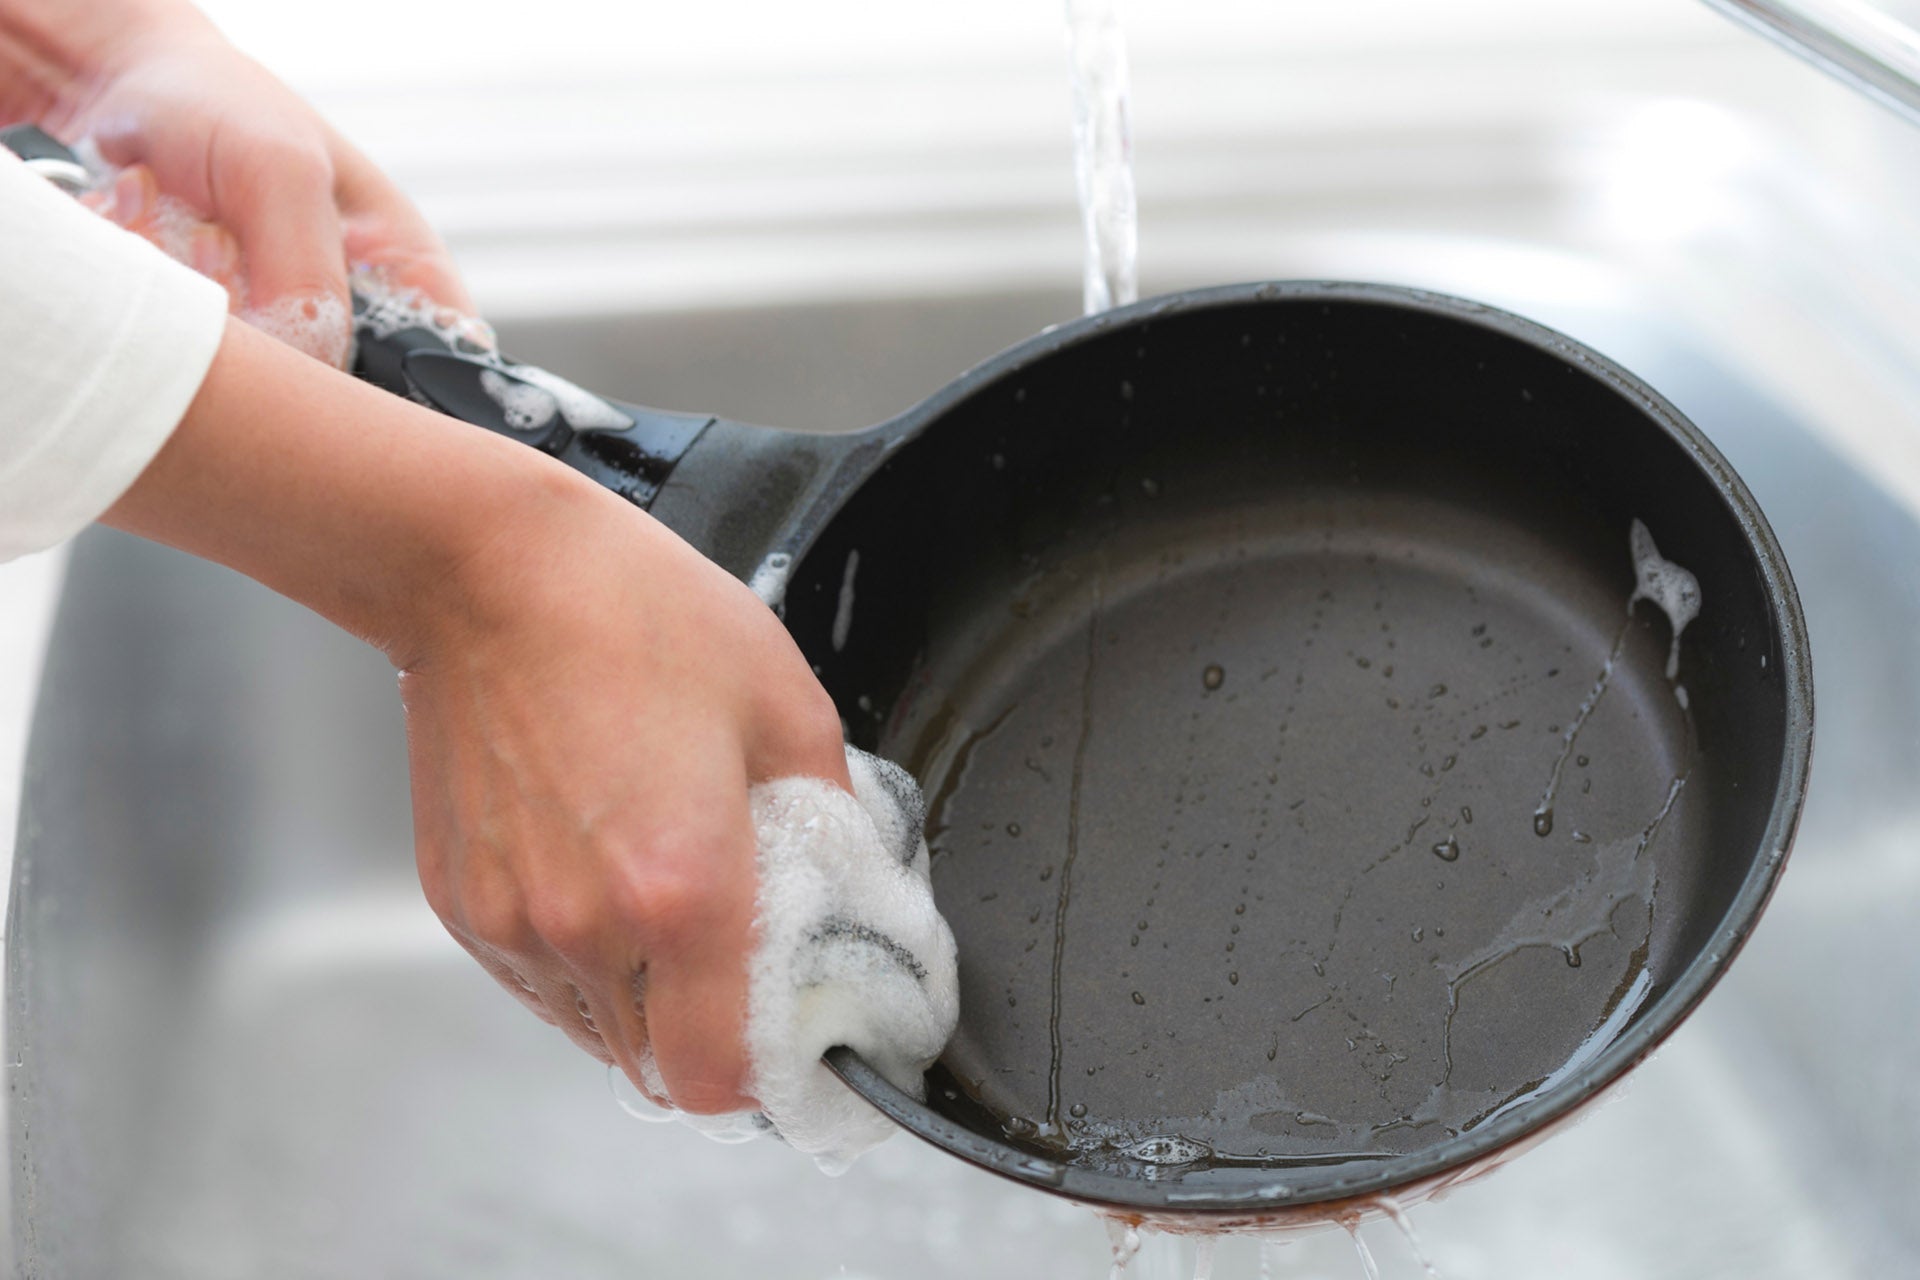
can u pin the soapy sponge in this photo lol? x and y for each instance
(851, 951)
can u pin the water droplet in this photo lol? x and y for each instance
(1046, 872)
(1364, 663)
(1020, 1127)
(1543, 822)
(1239, 908)
(1418, 934)
(1079, 1109)
(1168, 1150)
(1213, 677)
(1581, 761)
(1013, 828)
(1447, 850)
(1448, 763)
(1581, 837)
(1573, 957)
(1138, 998)
(1466, 815)
(1480, 731)
(1438, 691)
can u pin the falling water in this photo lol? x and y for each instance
(1103, 153)
(1367, 1263)
(1398, 1216)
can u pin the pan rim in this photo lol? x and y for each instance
(1662, 1016)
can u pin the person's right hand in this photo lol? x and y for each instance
(588, 699)
(584, 721)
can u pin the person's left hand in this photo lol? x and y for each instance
(227, 169)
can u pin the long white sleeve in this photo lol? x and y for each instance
(104, 341)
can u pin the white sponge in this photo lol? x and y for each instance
(851, 951)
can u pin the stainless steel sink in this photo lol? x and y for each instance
(241, 1045)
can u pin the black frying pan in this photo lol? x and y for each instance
(1312, 811)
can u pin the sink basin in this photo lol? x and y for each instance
(242, 1046)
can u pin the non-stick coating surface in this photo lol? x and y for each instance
(1240, 651)
(1292, 773)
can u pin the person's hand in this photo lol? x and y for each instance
(230, 171)
(583, 728)
(588, 699)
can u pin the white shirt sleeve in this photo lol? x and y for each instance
(104, 341)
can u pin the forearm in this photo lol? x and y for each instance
(50, 50)
(378, 514)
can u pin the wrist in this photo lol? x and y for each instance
(507, 551)
(407, 528)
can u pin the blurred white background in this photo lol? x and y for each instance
(588, 155)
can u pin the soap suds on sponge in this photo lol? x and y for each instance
(851, 951)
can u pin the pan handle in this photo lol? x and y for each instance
(401, 347)
(737, 493)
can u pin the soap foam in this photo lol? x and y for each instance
(851, 951)
(390, 308)
(769, 581)
(1672, 588)
(525, 407)
(583, 410)
(316, 324)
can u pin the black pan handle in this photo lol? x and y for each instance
(742, 494)
(400, 347)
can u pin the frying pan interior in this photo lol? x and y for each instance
(1304, 794)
